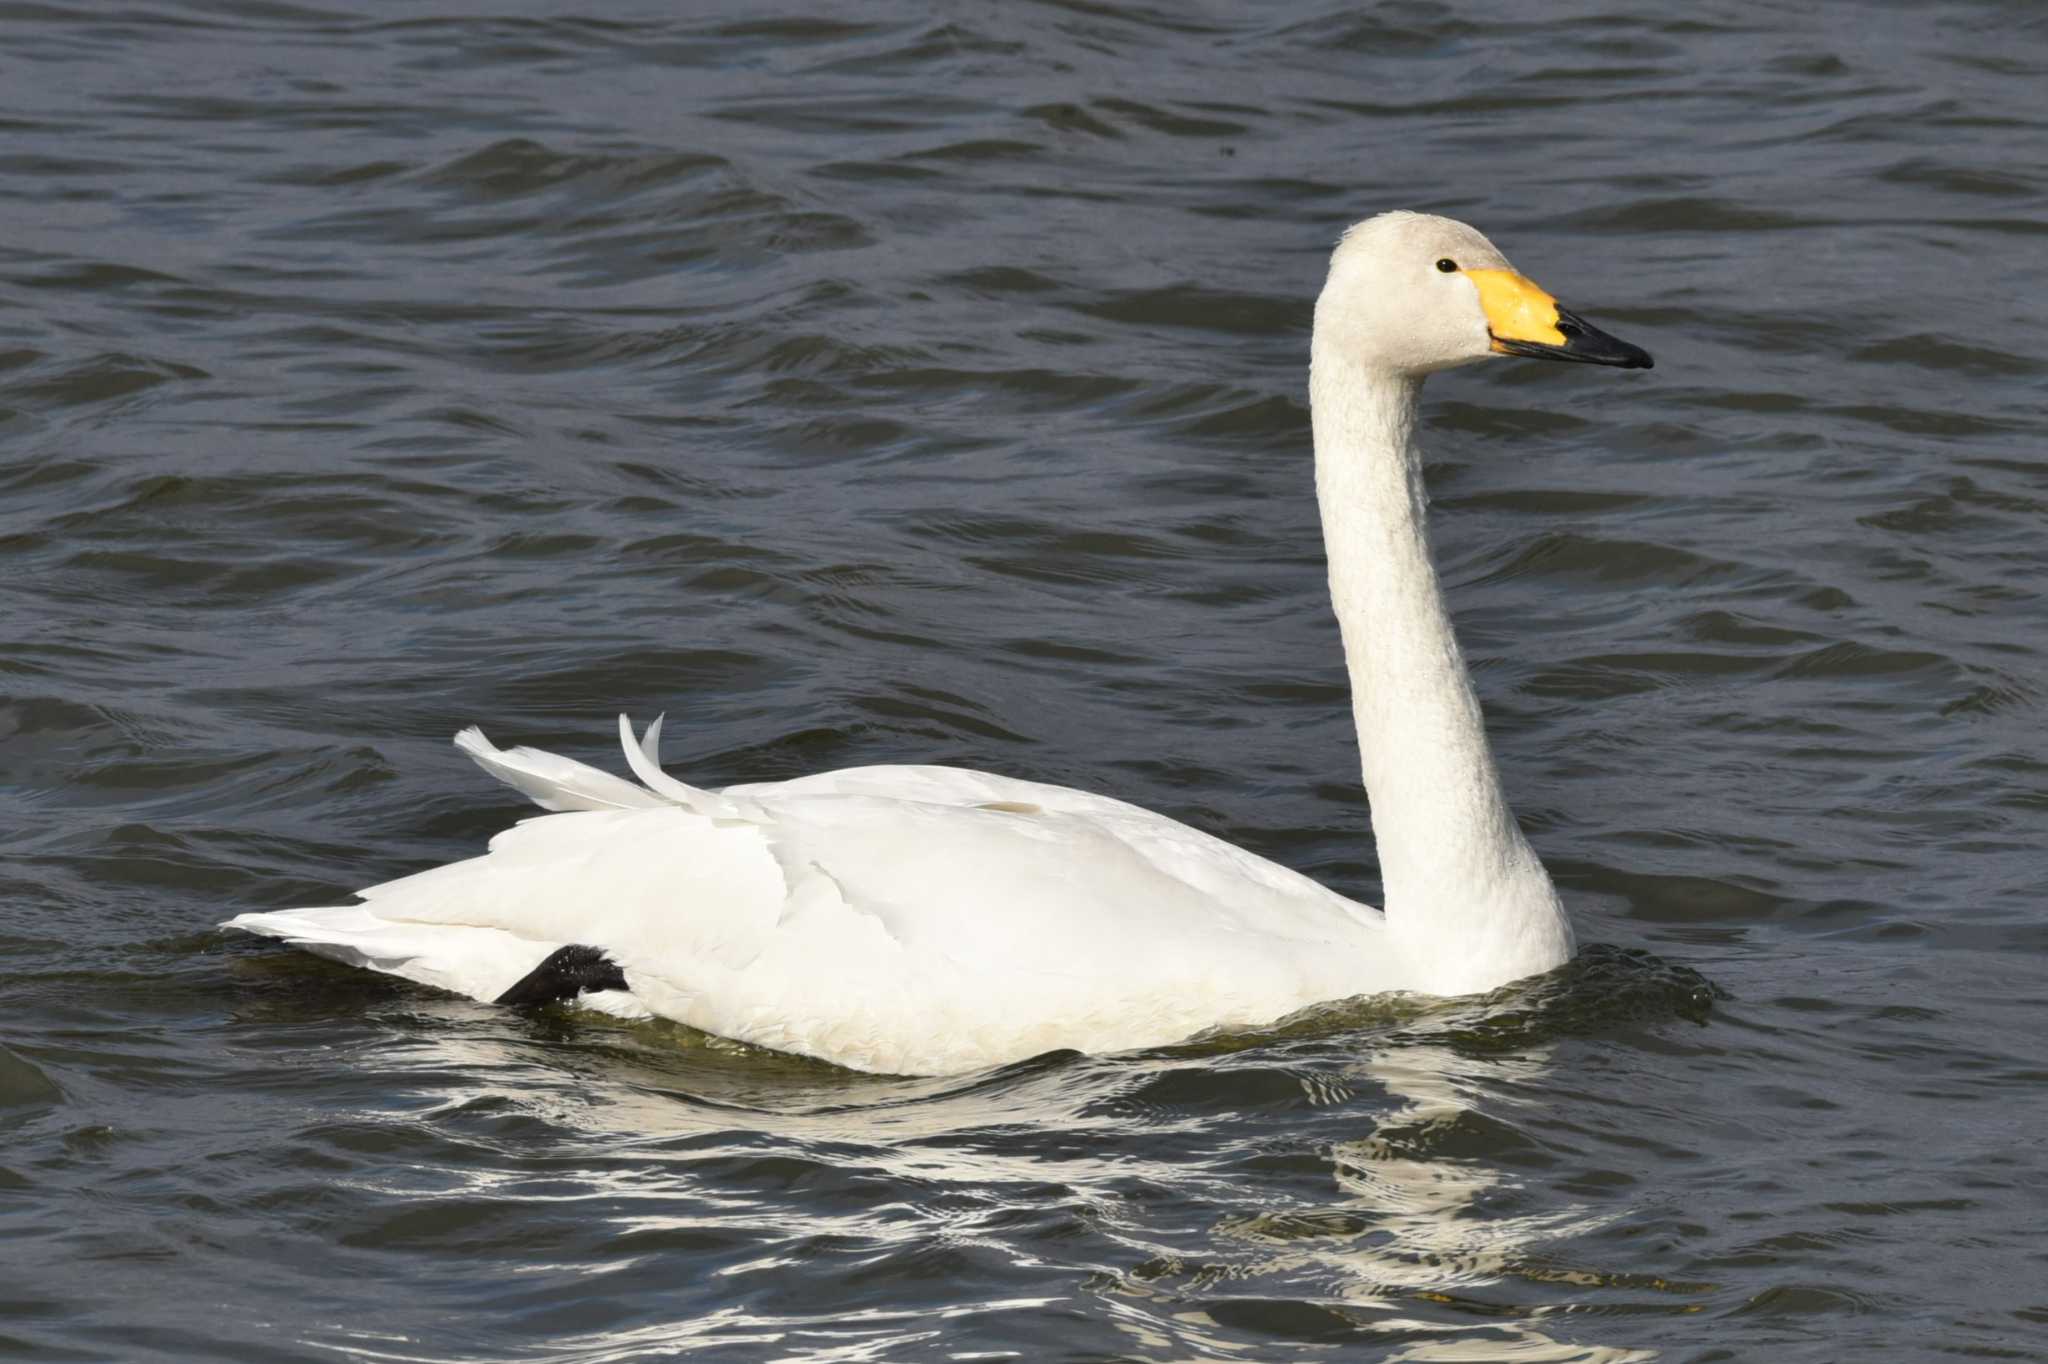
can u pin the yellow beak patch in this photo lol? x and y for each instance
(1516, 308)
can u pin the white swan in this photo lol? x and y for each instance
(935, 920)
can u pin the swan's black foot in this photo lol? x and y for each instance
(567, 973)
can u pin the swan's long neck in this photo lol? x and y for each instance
(1467, 903)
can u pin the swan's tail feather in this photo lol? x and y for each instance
(464, 959)
(552, 781)
(478, 962)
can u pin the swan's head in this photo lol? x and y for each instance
(1413, 293)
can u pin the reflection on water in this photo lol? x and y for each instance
(1431, 1209)
(1413, 1224)
(1396, 1227)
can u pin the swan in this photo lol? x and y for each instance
(933, 920)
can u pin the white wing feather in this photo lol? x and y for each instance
(551, 781)
(643, 758)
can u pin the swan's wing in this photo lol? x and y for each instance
(938, 785)
(900, 936)
(1203, 859)
(896, 919)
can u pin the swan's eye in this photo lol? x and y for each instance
(1447, 265)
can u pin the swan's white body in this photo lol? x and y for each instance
(935, 920)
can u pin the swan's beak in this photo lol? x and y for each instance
(1523, 320)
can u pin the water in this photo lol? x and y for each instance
(925, 383)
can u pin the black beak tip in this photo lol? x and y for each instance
(1586, 342)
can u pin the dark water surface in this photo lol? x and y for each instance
(926, 383)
